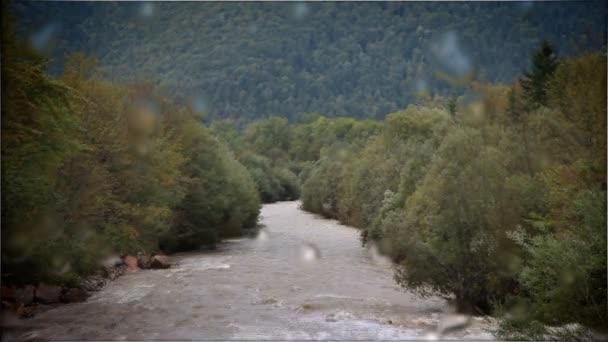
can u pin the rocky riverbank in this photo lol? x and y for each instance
(28, 300)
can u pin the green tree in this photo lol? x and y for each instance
(534, 83)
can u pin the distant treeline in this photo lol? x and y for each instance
(249, 60)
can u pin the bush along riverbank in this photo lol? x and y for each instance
(92, 169)
(498, 200)
(27, 300)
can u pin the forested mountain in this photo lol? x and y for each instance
(364, 60)
(485, 185)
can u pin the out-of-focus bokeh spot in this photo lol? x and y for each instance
(421, 87)
(198, 103)
(253, 28)
(42, 39)
(299, 10)
(449, 56)
(146, 9)
(142, 121)
(262, 236)
(309, 252)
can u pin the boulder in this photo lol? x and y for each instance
(131, 263)
(93, 283)
(144, 261)
(8, 292)
(25, 311)
(48, 294)
(116, 272)
(25, 295)
(8, 306)
(160, 261)
(74, 295)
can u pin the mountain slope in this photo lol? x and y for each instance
(252, 60)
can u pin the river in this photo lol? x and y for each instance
(302, 277)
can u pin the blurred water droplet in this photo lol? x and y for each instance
(568, 277)
(199, 104)
(84, 234)
(40, 40)
(309, 252)
(526, 5)
(452, 322)
(262, 236)
(146, 9)
(299, 10)
(449, 56)
(377, 257)
(113, 260)
(432, 336)
(421, 87)
(65, 269)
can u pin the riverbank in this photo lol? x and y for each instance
(21, 302)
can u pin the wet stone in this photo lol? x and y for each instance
(74, 295)
(144, 261)
(131, 262)
(93, 283)
(8, 292)
(25, 295)
(48, 294)
(160, 262)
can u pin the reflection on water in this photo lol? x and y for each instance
(260, 289)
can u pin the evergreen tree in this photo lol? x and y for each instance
(534, 83)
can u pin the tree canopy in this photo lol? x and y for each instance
(248, 61)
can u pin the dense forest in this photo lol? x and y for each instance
(500, 202)
(488, 187)
(247, 61)
(91, 168)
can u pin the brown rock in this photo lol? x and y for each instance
(48, 293)
(160, 261)
(25, 311)
(8, 306)
(116, 272)
(8, 292)
(93, 283)
(144, 261)
(131, 262)
(25, 295)
(74, 295)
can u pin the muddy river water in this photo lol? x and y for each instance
(302, 277)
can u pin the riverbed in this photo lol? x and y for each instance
(301, 277)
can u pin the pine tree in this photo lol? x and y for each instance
(534, 83)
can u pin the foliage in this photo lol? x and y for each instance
(494, 197)
(544, 63)
(90, 168)
(500, 207)
(247, 61)
(38, 136)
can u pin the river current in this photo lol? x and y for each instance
(301, 277)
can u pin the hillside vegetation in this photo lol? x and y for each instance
(485, 184)
(497, 203)
(247, 61)
(91, 169)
